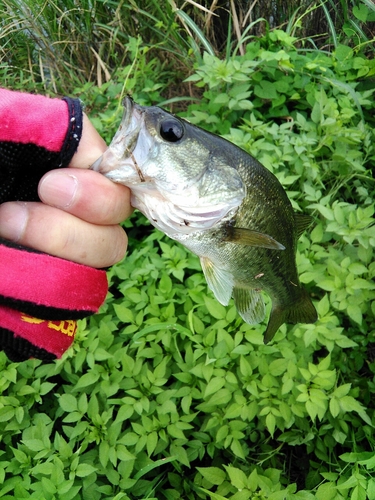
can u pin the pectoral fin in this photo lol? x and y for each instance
(252, 238)
(249, 304)
(220, 281)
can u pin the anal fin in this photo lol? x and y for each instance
(220, 281)
(249, 304)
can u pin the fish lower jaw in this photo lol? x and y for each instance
(126, 175)
(173, 220)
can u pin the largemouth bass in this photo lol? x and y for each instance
(220, 203)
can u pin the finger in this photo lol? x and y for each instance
(86, 194)
(58, 233)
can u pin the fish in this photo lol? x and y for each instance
(220, 203)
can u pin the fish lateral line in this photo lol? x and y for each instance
(243, 236)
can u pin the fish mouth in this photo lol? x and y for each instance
(118, 162)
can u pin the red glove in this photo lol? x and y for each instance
(40, 296)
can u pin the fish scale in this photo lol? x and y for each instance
(219, 202)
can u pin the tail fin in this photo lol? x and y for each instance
(300, 311)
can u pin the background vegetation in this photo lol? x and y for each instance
(166, 394)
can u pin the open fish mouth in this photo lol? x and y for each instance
(118, 162)
(130, 126)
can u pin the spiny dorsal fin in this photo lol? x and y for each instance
(220, 281)
(302, 222)
(252, 238)
(249, 304)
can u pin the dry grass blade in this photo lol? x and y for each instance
(248, 13)
(211, 13)
(237, 28)
(101, 67)
(201, 7)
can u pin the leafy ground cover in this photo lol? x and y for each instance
(168, 394)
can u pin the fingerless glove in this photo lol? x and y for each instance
(41, 296)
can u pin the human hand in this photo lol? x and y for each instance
(78, 219)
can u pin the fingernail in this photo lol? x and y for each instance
(13, 220)
(58, 189)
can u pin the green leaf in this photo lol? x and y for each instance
(327, 284)
(84, 470)
(124, 454)
(213, 474)
(215, 308)
(312, 409)
(265, 90)
(354, 457)
(342, 390)
(278, 367)
(158, 463)
(213, 386)
(180, 454)
(104, 453)
(371, 489)
(86, 380)
(355, 313)
(222, 99)
(68, 402)
(123, 313)
(359, 493)
(316, 114)
(212, 495)
(152, 441)
(348, 403)
(237, 449)
(222, 397)
(237, 477)
(323, 306)
(349, 483)
(357, 268)
(6, 413)
(245, 367)
(360, 12)
(34, 444)
(334, 407)
(48, 486)
(165, 284)
(326, 491)
(271, 423)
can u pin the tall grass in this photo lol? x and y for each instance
(59, 45)
(63, 44)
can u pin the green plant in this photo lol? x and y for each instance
(55, 46)
(166, 394)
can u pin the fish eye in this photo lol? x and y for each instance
(171, 130)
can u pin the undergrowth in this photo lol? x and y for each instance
(165, 393)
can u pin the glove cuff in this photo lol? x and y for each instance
(24, 337)
(47, 286)
(74, 133)
(41, 296)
